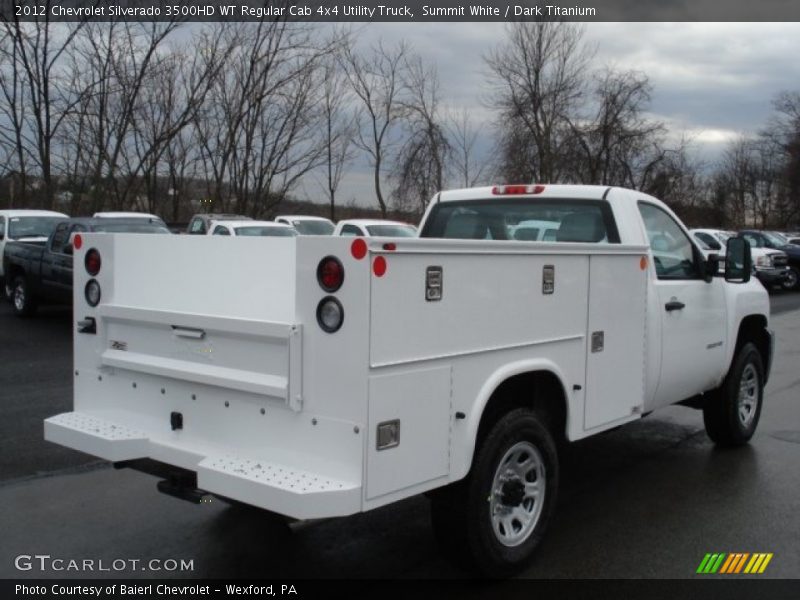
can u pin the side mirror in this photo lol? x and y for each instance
(711, 267)
(738, 261)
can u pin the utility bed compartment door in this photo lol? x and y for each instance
(615, 340)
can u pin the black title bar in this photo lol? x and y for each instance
(400, 10)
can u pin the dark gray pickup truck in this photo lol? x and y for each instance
(41, 272)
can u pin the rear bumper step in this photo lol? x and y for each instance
(279, 488)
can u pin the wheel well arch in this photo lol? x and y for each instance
(753, 328)
(12, 272)
(539, 388)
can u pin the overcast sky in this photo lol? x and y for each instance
(712, 81)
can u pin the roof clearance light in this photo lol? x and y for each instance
(517, 190)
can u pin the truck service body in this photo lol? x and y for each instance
(342, 375)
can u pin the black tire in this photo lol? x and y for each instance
(22, 299)
(732, 411)
(8, 289)
(792, 279)
(463, 520)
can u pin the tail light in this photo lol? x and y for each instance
(92, 262)
(515, 190)
(330, 274)
(92, 292)
(330, 314)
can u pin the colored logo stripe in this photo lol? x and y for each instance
(734, 563)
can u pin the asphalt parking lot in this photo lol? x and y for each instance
(647, 500)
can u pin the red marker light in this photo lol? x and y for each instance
(358, 249)
(379, 266)
(77, 241)
(390, 246)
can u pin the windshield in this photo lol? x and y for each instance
(775, 239)
(114, 226)
(313, 227)
(22, 227)
(778, 237)
(266, 231)
(525, 219)
(392, 230)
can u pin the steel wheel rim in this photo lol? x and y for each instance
(748, 395)
(19, 297)
(520, 477)
(790, 280)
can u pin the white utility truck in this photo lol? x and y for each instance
(341, 375)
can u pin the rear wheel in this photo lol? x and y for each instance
(22, 299)
(494, 519)
(732, 411)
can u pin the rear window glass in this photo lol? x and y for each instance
(266, 231)
(131, 227)
(392, 230)
(22, 227)
(313, 227)
(587, 221)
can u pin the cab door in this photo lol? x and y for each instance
(692, 312)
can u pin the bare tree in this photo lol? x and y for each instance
(43, 98)
(339, 123)
(538, 77)
(259, 130)
(419, 169)
(469, 167)
(376, 80)
(618, 136)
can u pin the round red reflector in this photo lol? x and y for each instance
(358, 249)
(77, 242)
(379, 266)
(330, 274)
(92, 262)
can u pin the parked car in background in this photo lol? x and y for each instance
(534, 230)
(769, 266)
(252, 228)
(200, 224)
(130, 215)
(795, 241)
(715, 240)
(775, 247)
(305, 225)
(30, 225)
(374, 228)
(41, 271)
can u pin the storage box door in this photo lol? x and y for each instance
(615, 339)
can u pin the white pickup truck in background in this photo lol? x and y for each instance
(341, 375)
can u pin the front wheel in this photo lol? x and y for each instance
(22, 299)
(494, 520)
(732, 411)
(792, 279)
